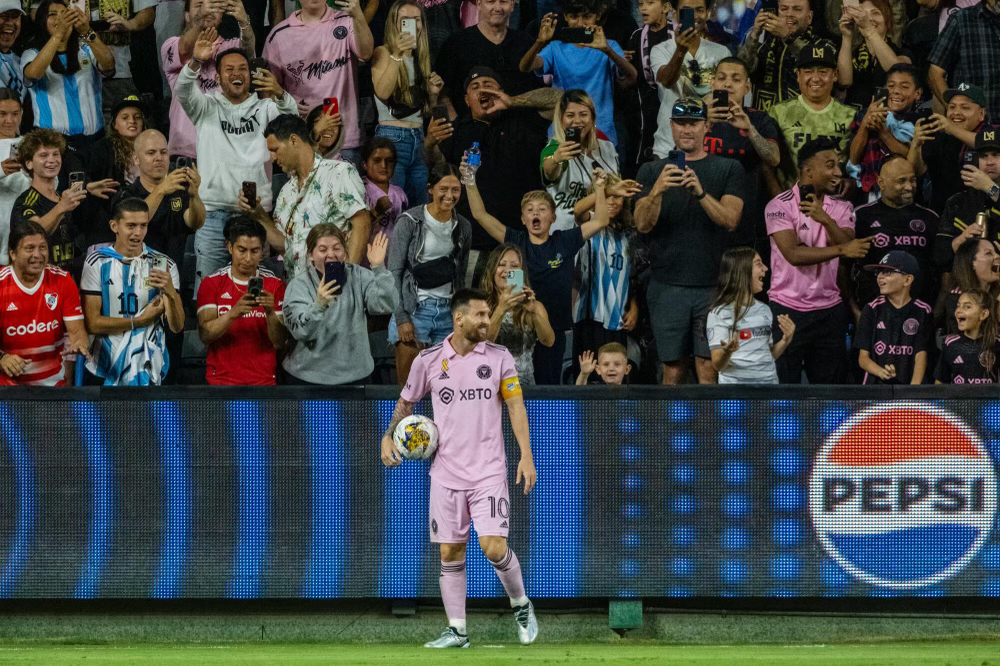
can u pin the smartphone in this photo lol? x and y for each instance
(254, 286)
(440, 112)
(805, 191)
(409, 26)
(852, 3)
(250, 192)
(335, 270)
(515, 280)
(720, 98)
(769, 6)
(573, 134)
(159, 263)
(331, 106)
(183, 162)
(575, 35)
(77, 177)
(881, 93)
(13, 152)
(255, 64)
(79, 4)
(677, 158)
(970, 158)
(687, 18)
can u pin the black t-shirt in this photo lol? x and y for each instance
(961, 211)
(467, 48)
(646, 95)
(62, 246)
(943, 157)
(510, 147)
(962, 362)
(550, 268)
(894, 336)
(686, 245)
(167, 230)
(912, 229)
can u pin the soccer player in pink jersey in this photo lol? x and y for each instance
(467, 378)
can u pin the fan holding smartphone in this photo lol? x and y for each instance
(405, 90)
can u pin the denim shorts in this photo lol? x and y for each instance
(431, 322)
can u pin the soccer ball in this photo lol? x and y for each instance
(416, 437)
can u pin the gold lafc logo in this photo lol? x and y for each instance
(989, 136)
(818, 52)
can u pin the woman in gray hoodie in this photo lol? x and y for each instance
(327, 319)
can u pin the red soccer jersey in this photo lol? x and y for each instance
(33, 324)
(244, 355)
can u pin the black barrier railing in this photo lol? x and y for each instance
(762, 492)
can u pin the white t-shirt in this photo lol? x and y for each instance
(752, 363)
(437, 243)
(695, 80)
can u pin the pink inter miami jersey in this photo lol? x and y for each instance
(467, 393)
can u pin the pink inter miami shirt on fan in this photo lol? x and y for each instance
(804, 288)
(467, 393)
(313, 61)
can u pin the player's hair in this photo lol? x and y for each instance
(735, 276)
(463, 297)
(814, 147)
(623, 220)
(538, 195)
(963, 267)
(488, 284)
(39, 138)
(237, 51)
(8, 95)
(285, 125)
(612, 348)
(129, 205)
(733, 60)
(419, 93)
(322, 231)
(987, 329)
(238, 226)
(378, 143)
(575, 97)
(22, 230)
(909, 70)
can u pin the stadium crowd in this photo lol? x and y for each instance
(644, 191)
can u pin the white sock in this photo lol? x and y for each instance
(514, 603)
(457, 625)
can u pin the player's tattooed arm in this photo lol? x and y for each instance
(402, 410)
(390, 456)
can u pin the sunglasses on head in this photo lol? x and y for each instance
(682, 108)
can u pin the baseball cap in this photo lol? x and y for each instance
(819, 52)
(480, 71)
(973, 92)
(896, 261)
(988, 139)
(688, 108)
(125, 102)
(7, 5)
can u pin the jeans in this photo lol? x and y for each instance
(411, 171)
(210, 246)
(432, 322)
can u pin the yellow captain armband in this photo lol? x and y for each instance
(510, 387)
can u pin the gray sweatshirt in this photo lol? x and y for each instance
(332, 343)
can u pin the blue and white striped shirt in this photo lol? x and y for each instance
(605, 264)
(68, 104)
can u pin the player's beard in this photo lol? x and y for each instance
(476, 334)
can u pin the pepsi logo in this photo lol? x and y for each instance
(903, 496)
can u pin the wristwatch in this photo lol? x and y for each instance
(89, 37)
(994, 191)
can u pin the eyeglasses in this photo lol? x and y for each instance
(695, 70)
(691, 109)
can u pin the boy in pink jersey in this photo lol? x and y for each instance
(467, 378)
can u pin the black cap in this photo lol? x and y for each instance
(973, 92)
(689, 108)
(819, 52)
(130, 100)
(896, 261)
(478, 72)
(988, 139)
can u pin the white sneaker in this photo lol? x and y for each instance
(527, 623)
(452, 639)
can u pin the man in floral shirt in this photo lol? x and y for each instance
(318, 191)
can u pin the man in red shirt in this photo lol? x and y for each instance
(239, 312)
(39, 305)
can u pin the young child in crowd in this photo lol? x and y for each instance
(611, 366)
(592, 66)
(971, 356)
(739, 326)
(385, 200)
(895, 330)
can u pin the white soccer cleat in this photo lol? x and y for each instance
(451, 639)
(527, 623)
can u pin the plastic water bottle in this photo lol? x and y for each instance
(473, 158)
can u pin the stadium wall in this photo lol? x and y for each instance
(703, 492)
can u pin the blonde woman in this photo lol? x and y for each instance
(405, 92)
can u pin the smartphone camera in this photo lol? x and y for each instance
(573, 134)
(677, 158)
(254, 286)
(77, 177)
(250, 192)
(970, 158)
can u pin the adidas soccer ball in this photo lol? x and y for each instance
(416, 437)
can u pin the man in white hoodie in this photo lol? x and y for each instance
(231, 146)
